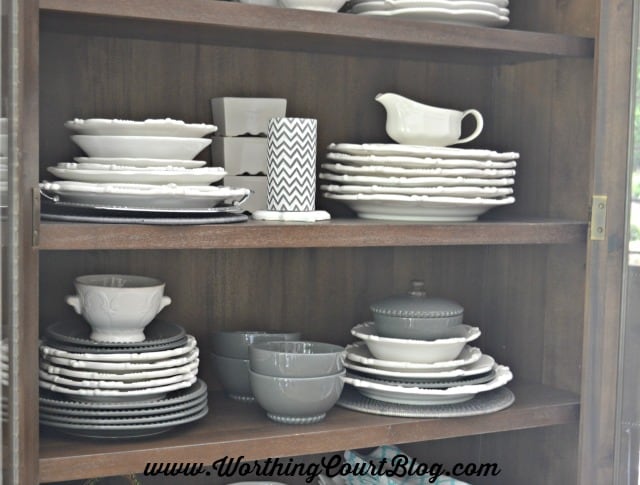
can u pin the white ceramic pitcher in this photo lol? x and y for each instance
(413, 123)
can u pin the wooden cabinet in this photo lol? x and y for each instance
(525, 273)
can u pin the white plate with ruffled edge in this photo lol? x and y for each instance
(458, 17)
(141, 162)
(418, 162)
(119, 376)
(125, 367)
(421, 151)
(419, 208)
(413, 350)
(145, 196)
(421, 396)
(416, 181)
(149, 127)
(374, 5)
(389, 171)
(139, 175)
(115, 385)
(359, 352)
(483, 192)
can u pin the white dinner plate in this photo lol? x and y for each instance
(115, 385)
(141, 146)
(116, 394)
(150, 127)
(459, 17)
(413, 350)
(483, 365)
(422, 208)
(142, 162)
(422, 396)
(119, 376)
(168, 175)
(386, 171)
(359, 352)
(417, 162)
(415, 181)
(497, 3)
(421, 151)
(488, 192)
(374, 5)
(146, 195)
(125, 357)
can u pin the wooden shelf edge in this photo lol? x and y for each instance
(336, 233)
(233, 429)
(324, 32)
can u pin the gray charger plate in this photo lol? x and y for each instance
(119, 413)
(483, 403)
(159, 417)
(124, 430)
(127, 348)
(174, 397)
(182, 220)
(158, 332)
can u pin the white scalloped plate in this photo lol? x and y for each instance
(415, 181)
(417, 162)
(161, 197)
(497, 3)
(126, 357)
(141, 162)
(484, 192)
(421, 396)
(384, 171)
(358, 352)
(459, 17)
(373, 5)
(421, 151)
(119, 376)
(149, 127)
(116, 385)
(138, 175)
(409, 350)
(420, 208)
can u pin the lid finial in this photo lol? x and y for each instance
(417, 289)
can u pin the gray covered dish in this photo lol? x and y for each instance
(416, 316)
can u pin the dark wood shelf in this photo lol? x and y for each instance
(233, 429)
(336, 233)
(266, 27)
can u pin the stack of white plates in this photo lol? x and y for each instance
(418, 183)
(112, 390)
(141, 171)
(421, 372)
(487, 13)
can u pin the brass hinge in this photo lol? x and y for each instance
(598, 225)
(35, 217)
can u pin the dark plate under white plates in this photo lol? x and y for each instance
(483, 403)
(191, 393)
(132, 347)
(124, 430)
(157, 333)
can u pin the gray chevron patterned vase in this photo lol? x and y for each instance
(291, 164)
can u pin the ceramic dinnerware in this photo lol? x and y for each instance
(296, 358)
(235, 343)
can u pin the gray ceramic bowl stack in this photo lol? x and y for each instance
(240, 144)
(416, 352)
(230, 358)
(296, 382)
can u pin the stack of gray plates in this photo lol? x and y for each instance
(117, 390)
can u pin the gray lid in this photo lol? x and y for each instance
(415, 304)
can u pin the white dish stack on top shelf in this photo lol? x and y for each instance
(485, 13)
(240, 144)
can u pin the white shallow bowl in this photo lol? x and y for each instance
(317, 5)
(141, 146)
(142, 162)
(150, 127)
(409, 350)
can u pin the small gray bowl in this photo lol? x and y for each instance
(296, 400)
(295, 358)
(235, 343)
(234, 376)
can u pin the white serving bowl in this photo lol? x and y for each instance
(118, 307)
(410, 350)
(141, 146)
(150, 127)
(317, 5)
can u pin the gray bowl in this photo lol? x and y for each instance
(295, 358)
(416, 328)
(235, 344)
(296, 400)
(233, 375)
